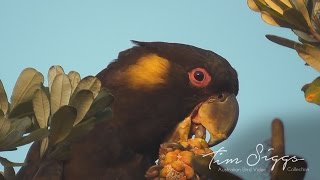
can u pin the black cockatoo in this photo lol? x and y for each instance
(155, 86)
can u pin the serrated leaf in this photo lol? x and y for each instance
(44, 146)
(53, 72)
(36, 135)
(312, 91)
(22, 110)
(103, 100)
(89, 83)
(28, 82)
(74, 79)
(60, 92)
(61, 124)
(310, 54)
(4, 104)
(82, 101)
(41, 108)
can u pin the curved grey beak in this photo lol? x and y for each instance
(219, 115)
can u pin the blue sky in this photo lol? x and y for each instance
(85, 35)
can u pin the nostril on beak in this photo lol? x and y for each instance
(221, 97)
(218, 98)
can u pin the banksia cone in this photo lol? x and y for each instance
(175, 160)
(197, 145)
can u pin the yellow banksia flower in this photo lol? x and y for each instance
(176, 163)
(170, 157)
(186, 157)
(189, 172)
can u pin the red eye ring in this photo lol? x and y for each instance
(199, 77)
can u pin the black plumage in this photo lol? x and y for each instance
(153, 93)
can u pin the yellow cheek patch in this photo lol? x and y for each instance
(149, 71)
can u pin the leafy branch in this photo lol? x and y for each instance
(302, 17)
(55, 115)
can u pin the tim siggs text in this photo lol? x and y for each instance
(252, 159)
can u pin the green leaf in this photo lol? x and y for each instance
(28, 82)
(104, 115)
(103, 100)
(61, 124)
(4, 104)
(41, 108)
(61, 152)
(9, 172)
(1, 176)
(22, 110)
(86, 126)
(6, 163)
(310, 54)
(89, 83)
(284, 4)
(19, 127)
(273, 5)
(9, 149)
(312, 91)
(305, 36)
(287, 2)
(74, 79)
(296, 18)
(252, 5)
(82, 101)
(4, 127)
(81, 129)
(44, 146)
(302, 8)
(36, 135)
(267, 18)
(282, 41)
(274, 18)
(60, 92)
(53, 72)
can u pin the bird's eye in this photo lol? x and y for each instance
(199, 77)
